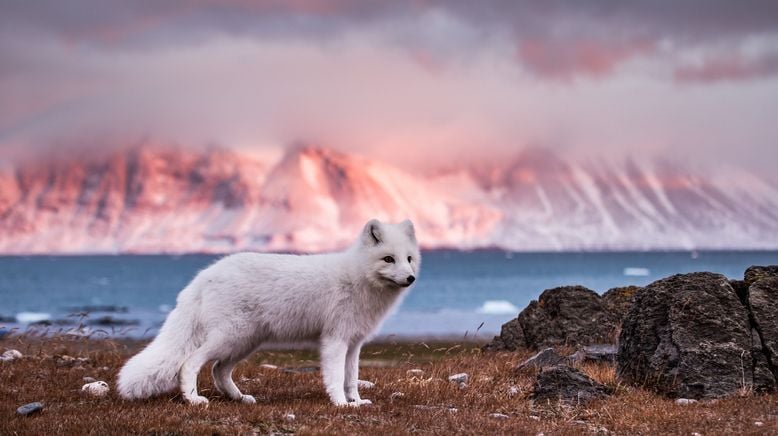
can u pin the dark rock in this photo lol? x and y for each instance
(619, 300)
(563, 383)
(687, 336)
(596, 353)
(511, 338)
(29, 409)
(569, 315)
(109, 321)
(754, 273)
(741, 289)
(764, 379)
(545, 358)
(763, 307)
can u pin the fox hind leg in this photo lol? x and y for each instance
(222, 379)
(187, 376)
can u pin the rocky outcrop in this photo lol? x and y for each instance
(698, 336)
(566, 384)
(763, 310)
(755, 273)
(568, 315)
(619, 300)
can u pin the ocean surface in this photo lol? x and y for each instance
(458, 294)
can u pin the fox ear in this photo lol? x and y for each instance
(371, 234)
(407, 226)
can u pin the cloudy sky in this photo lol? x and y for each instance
(409, 81)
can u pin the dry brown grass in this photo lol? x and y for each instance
(37, 377)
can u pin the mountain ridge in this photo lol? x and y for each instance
(166, 199)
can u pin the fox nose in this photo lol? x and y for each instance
(411, 279)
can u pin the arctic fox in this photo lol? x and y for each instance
(247, 299)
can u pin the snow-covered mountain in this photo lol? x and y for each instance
(168, 199)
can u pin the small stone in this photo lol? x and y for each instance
(694, 433)
(596, 353)
(684, 401)
(414, 372)
(97, 389)
(459, 378)
(758, 423)
(364, 384)
(65, 360)
(289, 416)
(512, 391)
(10, 355)
(546, 357)
(462, 385)
(29, 409)
(534, 418)
(268, 366)
(498, 416)
(396, 395)
(89, 380)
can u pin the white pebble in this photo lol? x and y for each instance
(97, 389)
(290, 416)
(10, 355)
(696, 434)
(414, 372)
(758, 423)
(268, 366)
(513, 390)
(498, 416)
(459, 378)
(534, 418)
(364, 384)
(685, 401)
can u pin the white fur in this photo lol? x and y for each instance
(247, 299)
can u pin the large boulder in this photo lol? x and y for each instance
(690, 335)
(566, 384)
(569, 315)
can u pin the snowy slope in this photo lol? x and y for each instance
(166, 199)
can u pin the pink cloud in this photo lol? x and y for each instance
(728, 67)
(564, 59)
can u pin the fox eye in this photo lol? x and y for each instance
(389, 259)
(409, 259)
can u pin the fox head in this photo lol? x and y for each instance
(391, 252)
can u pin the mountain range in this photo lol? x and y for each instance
(167, 199)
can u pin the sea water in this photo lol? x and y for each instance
(458, 294)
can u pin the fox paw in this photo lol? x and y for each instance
(357, 403)
(197, 400)
(247, 399)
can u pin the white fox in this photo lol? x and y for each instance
(247, 299)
